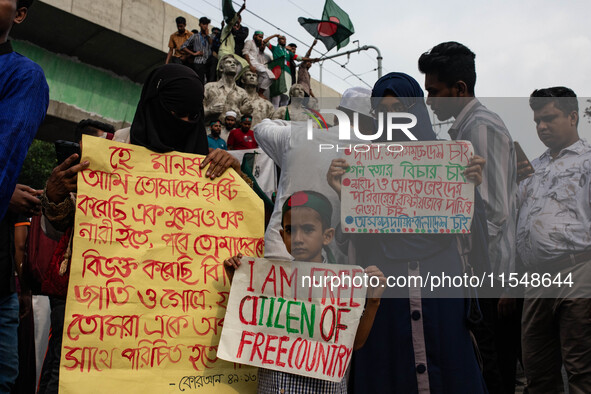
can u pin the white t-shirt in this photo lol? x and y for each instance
(303, 167)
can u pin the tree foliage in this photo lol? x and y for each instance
(38, 165)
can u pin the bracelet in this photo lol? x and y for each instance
(60, 215)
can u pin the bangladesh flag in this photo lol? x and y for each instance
(228, 10)
(283, 79)
(333, 29)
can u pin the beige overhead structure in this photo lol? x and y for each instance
(96, 55)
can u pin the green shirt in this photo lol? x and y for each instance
(279, 51)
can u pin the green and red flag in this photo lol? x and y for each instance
(283, 78)
(228, 10)
(333, 29)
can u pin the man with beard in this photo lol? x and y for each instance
(229, 124)
(253, 52)
(214, 138)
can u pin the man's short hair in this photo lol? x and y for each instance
(451, 62)
(204, 20)
(292, 45)
(181, 20)
(214, 29)
(24, 3)
(563, 98)
(90, 127)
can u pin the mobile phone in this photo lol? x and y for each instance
(521, 156)
(65, 149)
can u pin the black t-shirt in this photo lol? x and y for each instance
(240, 36)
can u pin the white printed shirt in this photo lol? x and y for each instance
(555, 206)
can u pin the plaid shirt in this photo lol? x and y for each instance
(286, 383)
(198, 43)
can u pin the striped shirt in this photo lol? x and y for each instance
(199, 43)
(491, 140)
(555, 207)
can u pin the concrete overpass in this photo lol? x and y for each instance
(96, 55)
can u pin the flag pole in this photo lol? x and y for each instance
(363, 48)
(321, 96)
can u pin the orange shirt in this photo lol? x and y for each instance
(177, 40)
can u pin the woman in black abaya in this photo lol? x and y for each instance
(169, 117)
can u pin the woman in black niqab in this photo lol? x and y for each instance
(169, 116)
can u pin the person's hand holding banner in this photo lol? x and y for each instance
(294, 317)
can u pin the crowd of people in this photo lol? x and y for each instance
(530, 218)
(238, 70)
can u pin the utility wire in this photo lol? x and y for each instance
(198, 11)
(300, 41)
(306, 11)
(281, 30)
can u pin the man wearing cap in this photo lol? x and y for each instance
(199, 45)
(253, 52)
(243, 137)
(229, 124)
(214, 139)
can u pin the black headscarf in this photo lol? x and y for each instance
(407, 246)
(170, 92)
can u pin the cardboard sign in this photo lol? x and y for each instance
(293, 317)
(147, 293)
(420, 189)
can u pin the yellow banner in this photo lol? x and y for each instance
(147, 293)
